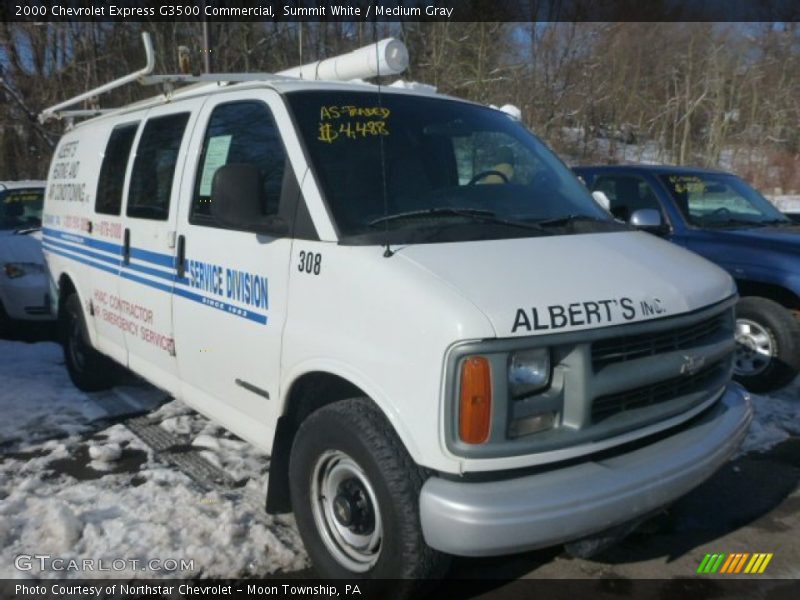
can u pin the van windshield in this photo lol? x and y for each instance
(21, 208)
(453, 171)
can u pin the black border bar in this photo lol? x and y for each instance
(220, 11)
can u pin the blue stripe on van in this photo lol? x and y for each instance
(91, 259)
(157, 258)
(117, 261)
(86, 241)
(50, 248)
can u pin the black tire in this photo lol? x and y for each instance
(358, 430)
(89, 370)
(5, 322)
(763, 323)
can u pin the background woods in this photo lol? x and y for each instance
(688, 93)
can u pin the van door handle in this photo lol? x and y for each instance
(126, 247)
(180, 261)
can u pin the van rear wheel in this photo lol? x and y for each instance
(5, 322)
(355, 495)
(767, 345)
(89, 370)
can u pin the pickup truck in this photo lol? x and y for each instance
(722, 218)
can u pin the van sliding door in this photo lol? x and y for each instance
(148, 270)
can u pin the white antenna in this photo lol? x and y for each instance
(56, 110)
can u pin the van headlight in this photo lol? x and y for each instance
(14, 270)
(528, 372)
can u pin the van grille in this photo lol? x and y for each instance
(621, 349)
(663, 391)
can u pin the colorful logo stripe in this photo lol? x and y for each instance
(734, 563)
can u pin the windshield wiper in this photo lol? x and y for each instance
(778, 222)
(431, 212)
(27, 230)
(558, 221)
(485, 216)
(724, 222)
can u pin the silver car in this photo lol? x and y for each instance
(24, 285)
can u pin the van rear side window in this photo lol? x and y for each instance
(154, 167)
(240, 132)
(112, 171)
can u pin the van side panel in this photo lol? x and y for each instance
(80, 244)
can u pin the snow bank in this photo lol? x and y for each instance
(776, 418)
(145, 510)
(75, 488)
(786, 203)
(37, 399)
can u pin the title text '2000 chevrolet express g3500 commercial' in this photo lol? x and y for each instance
(444, 343)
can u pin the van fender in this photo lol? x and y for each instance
(278, 499)
(88, 318)
(360, 380)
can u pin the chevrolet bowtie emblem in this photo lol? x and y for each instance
(692, 364)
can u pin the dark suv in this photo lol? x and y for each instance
(719, 216)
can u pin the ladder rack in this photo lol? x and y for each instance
(386, 57)
(57, 111)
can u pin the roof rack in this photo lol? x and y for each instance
(386, 57)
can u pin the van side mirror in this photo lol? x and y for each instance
(647, 219)
(237, 201)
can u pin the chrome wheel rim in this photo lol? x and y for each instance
(755, 348)
(346, 511)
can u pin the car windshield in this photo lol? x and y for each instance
(720, 200)
(453, 171)
(21, 208)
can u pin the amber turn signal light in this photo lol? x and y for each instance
(476, 400)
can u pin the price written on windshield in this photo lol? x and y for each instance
(352, 122)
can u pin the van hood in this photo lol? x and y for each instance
(554, 284)
(21, 248)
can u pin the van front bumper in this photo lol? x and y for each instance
(565, 504)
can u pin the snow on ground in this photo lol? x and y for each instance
(76, 485)
(786, 203)
(35, 381)
(777, 416)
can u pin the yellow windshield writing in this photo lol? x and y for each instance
(352, 122)
(688, 183)
(23, 197)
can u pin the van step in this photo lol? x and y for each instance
(186, 458)
(181, 455)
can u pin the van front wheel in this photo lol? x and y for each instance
(355, 495)
(89, 370)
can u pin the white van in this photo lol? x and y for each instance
(24, 286)
(445, 344)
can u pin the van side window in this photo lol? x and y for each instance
(240, 133)
(154, 167)
(112, 171)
